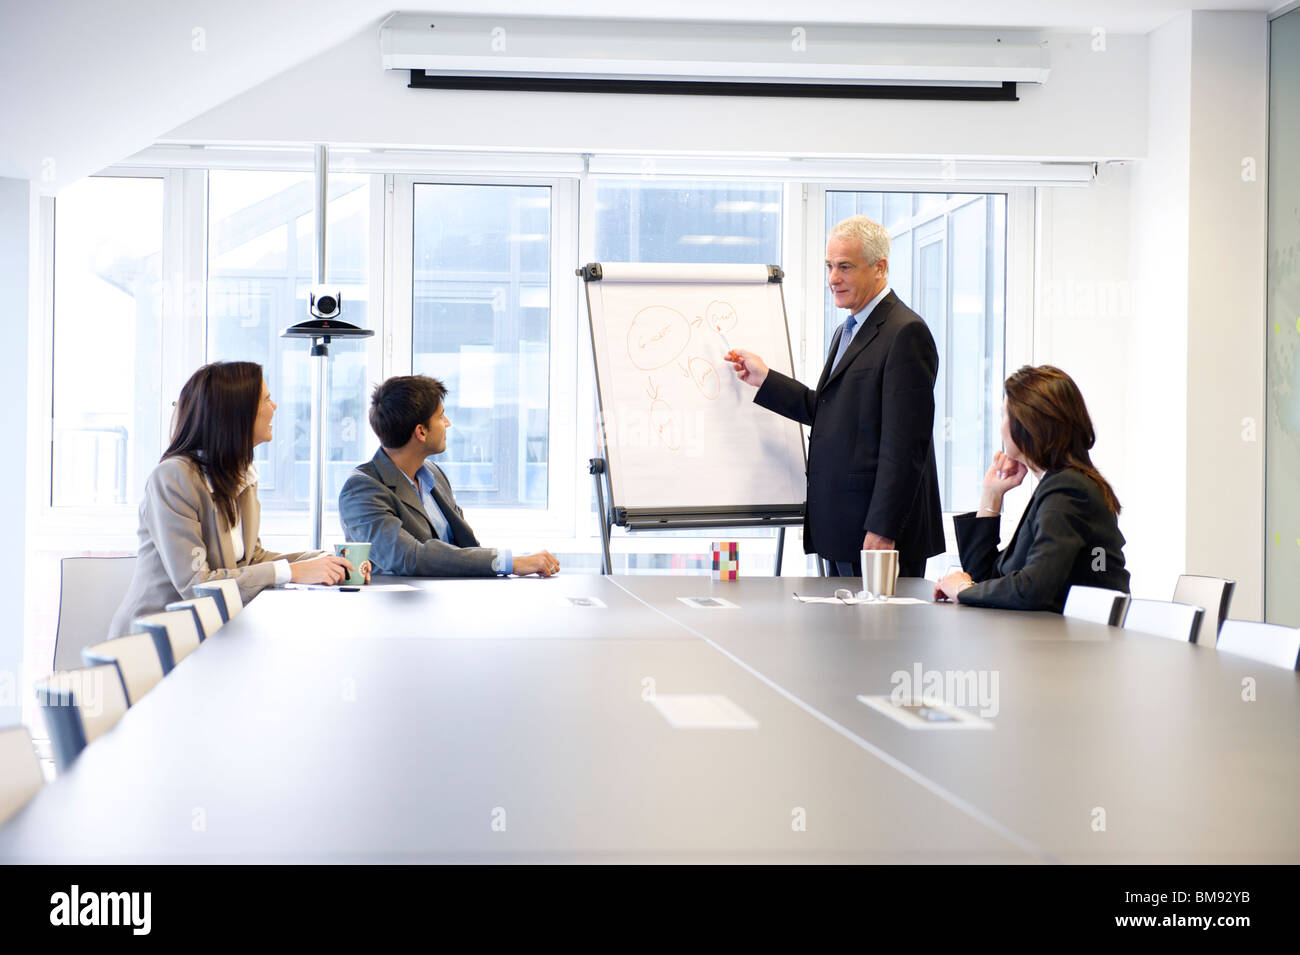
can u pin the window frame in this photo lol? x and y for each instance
(510, 526)
(1021, 208)
(565, 520)
(107, 527)
(288, 530)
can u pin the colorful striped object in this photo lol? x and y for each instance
(726, 560)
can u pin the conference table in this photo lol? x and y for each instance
(587, 718)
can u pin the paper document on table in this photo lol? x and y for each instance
(896, 601)
(708, 603)
(365, 588)
(922, 714)
(702, 711)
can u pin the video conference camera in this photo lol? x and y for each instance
(325, 302)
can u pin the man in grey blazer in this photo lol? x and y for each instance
(403, 504)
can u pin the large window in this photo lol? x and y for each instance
(653, 220)
(948, 263)
(260, 266)
(465, 277)
(480, 322)
(108, 296)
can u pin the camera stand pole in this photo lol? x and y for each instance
(320, 355)
(320, 330)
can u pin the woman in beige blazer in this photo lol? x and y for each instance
(200, 515)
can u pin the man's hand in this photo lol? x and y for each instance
(876, 542)
(748, 366)
(543, 564)
(949, 586)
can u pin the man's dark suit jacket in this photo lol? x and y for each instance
(1067, 536)
(871, 452)
(378, 504)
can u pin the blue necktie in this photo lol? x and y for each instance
(845, 338)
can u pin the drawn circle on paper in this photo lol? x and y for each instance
(657, 336)
(721, 316)
(705, 376)
(664, 423)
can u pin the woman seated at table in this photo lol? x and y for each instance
(199, 517)
(1069, 534)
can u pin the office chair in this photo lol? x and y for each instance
(90, 590)
(1212, 593)
(136, 658)
(1264, 642)
(1096, 604)
(20, 770)
(226, 593)
(175, 633)
(206, 614)
(1173, 620)
(80, 706)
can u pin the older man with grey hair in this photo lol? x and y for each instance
(872, 480)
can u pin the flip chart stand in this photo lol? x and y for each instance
(645, 519)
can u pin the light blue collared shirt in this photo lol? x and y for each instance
(503, 563)
(865, 313)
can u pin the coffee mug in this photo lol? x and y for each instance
(355, 554)
(879, 572)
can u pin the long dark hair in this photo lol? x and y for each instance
(213, 426)
(1049, 423)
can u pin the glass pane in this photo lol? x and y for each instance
(260, 267)
(898, 210)
(925, 203)
(1282, 460)
(840, 206)
(900, 269)
(481, 318)
(108, 297)
(951, 269)
(648, 220)
(968, 433)
(931, 297)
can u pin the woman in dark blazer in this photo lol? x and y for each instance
(1069, 534)
(200, 514)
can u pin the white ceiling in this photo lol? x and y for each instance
(89, 82)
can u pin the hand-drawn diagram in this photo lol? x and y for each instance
(705, 376)
(662, 420)
(658, 337)
(721, 316)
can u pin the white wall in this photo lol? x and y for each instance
(1085, 308)
(1195, 346)
(87, 83)
(1154, 520)
(1091, 107)
(1227, 260)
